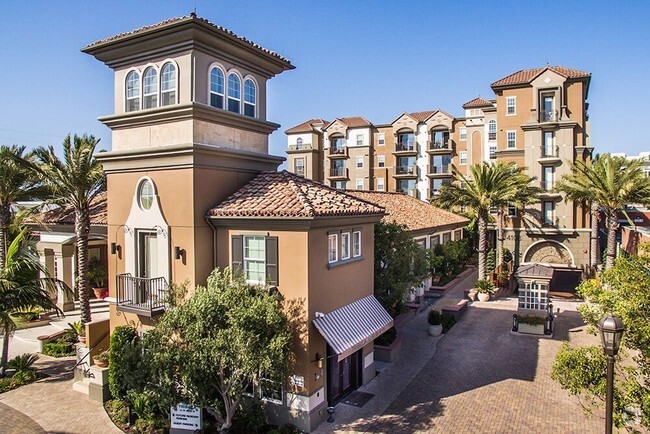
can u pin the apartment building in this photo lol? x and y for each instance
(538, 118)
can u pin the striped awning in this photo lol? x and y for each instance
(349, 328)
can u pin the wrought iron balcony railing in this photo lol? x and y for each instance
(141, 295)
(548, 116)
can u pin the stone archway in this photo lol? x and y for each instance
(549, 252)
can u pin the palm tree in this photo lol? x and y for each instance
(17, 182)
(21, 287)
(608, 182)
(489, 185)
(75, 182)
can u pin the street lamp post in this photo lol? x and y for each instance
(611, 332)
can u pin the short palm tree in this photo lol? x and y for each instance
(75, 181)
(21, 287)
(489, 185)
(611, 183)
(17, 182)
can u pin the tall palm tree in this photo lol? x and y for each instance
(488, 185)
(611, 183)
(75, 181)
(21, 287)
(17, 182)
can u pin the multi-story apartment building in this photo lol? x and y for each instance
(537, 119)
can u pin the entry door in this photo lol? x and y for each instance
(342, 377)
(148, 255)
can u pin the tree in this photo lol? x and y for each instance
(623, 291)
(21, 287)
(17, 182)
(207, 350)
(610, 182)
(488, 185)
(400, 264)
(75, 181)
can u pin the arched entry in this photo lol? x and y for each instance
(549, 252)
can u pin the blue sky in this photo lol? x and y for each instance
(370, 58)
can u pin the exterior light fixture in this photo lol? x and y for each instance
(113, 248)
(319, 361)
(611, 333)
(178, 252)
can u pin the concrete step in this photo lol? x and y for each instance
(82, 386)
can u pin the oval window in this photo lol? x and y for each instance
(145, 195)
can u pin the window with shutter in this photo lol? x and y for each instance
(272, 260)
(237, 252)
(257, 257)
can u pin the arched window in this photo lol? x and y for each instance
(132, 91)
(492, 130)
(249, 97)
(299, 143)
(145, 194)
(168, 84)
(150, 91)
(217, 84)
(234, 93)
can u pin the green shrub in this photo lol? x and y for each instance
(25, 377)
(490, 262)
(58, 349)
(250, 419)
(386, 338)
(118, 411)
(530, 319)
(435, 318)
(448, 321)
(23, 362)
(285, 429)
(76, 329)
(7, 384)
(484, 286)
(124, 361)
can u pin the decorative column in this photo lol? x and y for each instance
(64, 259)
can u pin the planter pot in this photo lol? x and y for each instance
(100, 364)
(483, 296)
(101, 293)
(435, 330)
(472, 294)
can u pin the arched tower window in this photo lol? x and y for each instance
(168, 84)
(132, 91)
(249, 97)
(217, 87)
(150, 91)
(234, 93)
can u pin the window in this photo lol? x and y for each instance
(533, 295)
(493, 152)
(463, 157)
(492, 130)
(337, 145)
(407, 186)
(549, 145)
(257, 257)
(145, 194)
(549, 213)
(512, 211)
(345, 246)
(547, 178)
(405, 142)
(406, 166)
(150, 79)
(463, 133)
(458, 234)
(436, 184)
(359, 183)
(360, 162)
(548, 110)
(168, 84)
(339, 185)
(359, 139)
(270, 390)
(511, 105)
(381, 138)
(446, 237)
(234, 93)
(132, 91)
(511, 139)
(217, 87)
(434, 240)
(356, 244)
(441, 164)
(299, 143)
(299, 166)
(337, 168)
(439, 140)
(249, 97)
(381, 161)
(333, 248)
(380, 184)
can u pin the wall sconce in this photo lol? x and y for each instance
(319, 361)
(113, 248)
(178, 252)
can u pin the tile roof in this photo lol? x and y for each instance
(352, 122)
(422, 116)
(306, 127)
(188, 18)
(477, 102)
(283, 194)
(64, 215)
(409, 211)
(528, 75)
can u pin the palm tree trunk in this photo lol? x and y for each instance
(82, 228)
(499, 237)
(612, 225)
(5, 351)
(594, 258)
(5, 219)
(482, 245)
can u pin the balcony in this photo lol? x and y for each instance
(406, 149)
(548, 116)
(406, 171)
(438, 147)
(338, 172)
(549, 154)
(300, 148)
(338, 152)
(140, 295)
(551, 222)
(435, 171)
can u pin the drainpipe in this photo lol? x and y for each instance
(214, 242)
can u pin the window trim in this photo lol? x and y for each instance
(138, 97)
(462, 133)
(245, 260)
(210, 92)
(354, 235)
(381, 139)
(492, 135)
(461, 158)
(359, 159)
(514, 139)
(348, 235)
(359, 139)
(362, 183)
(295, 166)
(255, 96)
(156, 93)
(160, 84)
(236, 73)
(514, 105)
(382, 184)
(332, 259)
(381, 161)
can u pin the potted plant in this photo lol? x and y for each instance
(98, 277)
(78, 329)
(532, 324)
(435, 322)
(484, 288)
(101, 359)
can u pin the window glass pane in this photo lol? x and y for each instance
(356, 243)
(249, 91)
(150, 88)
(255, 259)
(234, 93)
(216, 88)
(333, 241)
(168, 77)
(345, 245)
(146, 194)
(132, 91)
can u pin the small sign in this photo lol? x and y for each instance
(186, 417)
(298, 380)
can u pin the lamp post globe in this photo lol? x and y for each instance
(611, 333)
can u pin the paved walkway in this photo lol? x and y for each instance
(478, 378)
(50, 405)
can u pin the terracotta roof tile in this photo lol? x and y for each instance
(352, 122)
(477, 102)
(408, 211)
(65, 215)
(422, 116)
(307, 127)
(528, 75)
(285, 195)
(188, 18)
